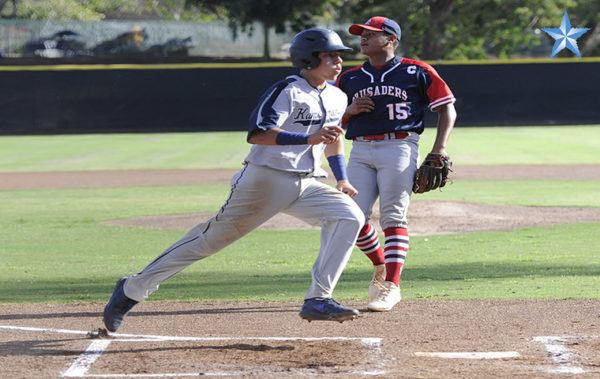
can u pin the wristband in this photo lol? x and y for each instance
(338, 166)
(290, 138)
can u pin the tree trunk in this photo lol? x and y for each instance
(15, 3)
(266, 49)
(434, 43)
(589, 42)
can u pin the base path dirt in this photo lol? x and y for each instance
(426, 218)
(237, 338)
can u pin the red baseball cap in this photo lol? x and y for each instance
(377, 24)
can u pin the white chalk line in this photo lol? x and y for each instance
(224, 373)
(555, 346)
(31, 329)
(470, 354)
(371, 342)
(228, 373)
(167, 375)
(83, 363)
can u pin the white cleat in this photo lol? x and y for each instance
(389, 295)
(376, 282)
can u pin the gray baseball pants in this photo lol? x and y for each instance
(257, 194)
(384, 169)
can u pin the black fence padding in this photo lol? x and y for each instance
(525, 94)
(175, 100)
(48, 102)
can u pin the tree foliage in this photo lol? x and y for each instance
(93, 10)
(470, 29)
(275, 15)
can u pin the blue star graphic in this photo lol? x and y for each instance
(565, 36)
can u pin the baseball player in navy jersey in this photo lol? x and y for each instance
(294, 122)
(387, 97)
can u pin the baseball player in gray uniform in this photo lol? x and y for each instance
(294, 122)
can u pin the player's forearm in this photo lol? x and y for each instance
(336, 148)
(277, 136)
(264, 137)
(446, 120)
(335, 156)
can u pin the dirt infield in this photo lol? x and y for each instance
(129, 178)
(426, 218)
(523, 332)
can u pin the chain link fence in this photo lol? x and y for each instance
(60, 39)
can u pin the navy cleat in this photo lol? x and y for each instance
(117, 307)
(319, 308)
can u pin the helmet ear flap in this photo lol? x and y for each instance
(313, 62)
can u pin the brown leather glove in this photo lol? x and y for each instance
(433, 173)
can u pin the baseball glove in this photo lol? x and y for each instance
(433, 173)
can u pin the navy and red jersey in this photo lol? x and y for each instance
(402, 89)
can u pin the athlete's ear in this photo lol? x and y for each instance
(390, 39)
(393, 40)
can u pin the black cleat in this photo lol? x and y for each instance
(117, 307)
(326, 309)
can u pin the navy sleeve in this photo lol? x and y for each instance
(272, 109)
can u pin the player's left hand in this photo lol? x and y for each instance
(347, 188)
(433, 173)
(326, 135)
(360, 105)
(440, 151)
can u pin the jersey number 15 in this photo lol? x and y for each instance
(398, 111)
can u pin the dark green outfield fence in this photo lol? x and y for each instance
(56, 99)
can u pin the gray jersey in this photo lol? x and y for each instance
(295, 106)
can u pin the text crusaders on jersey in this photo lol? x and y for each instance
(399, 90)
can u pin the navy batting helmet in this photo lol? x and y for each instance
(307, 45)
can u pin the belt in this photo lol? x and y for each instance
(384, 136)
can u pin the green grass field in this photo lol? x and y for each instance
(468, 146)
(55, 246)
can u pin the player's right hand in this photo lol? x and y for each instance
(326, 135)
(347, 188)
(360, 105)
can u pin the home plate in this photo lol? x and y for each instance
(470, 354)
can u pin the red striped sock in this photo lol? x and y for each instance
(396, 248)
(368, 242)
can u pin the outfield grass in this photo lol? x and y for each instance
(543, 193)
(276, 266)
(55, 247)
(468, 146)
